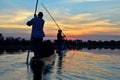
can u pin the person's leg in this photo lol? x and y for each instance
(59, 45)
(39, 47)
(35, 46)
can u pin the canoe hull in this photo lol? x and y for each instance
(39, 66)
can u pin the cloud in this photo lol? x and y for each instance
(72, 24)
(14, 19)
(84, 24)
(87, 19)
(110, 13)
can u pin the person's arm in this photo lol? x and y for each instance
(35, 15)
(29, 23)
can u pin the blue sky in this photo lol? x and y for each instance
(79, 19)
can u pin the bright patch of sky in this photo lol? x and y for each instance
(79, 17)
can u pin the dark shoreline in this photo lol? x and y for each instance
(15, 44)
(11, 49)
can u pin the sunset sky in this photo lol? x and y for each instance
(79, 19)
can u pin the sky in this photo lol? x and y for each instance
(79, 19)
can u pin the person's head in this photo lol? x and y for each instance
(40, 14)
(59, 31)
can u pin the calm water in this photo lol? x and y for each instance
(76, 65)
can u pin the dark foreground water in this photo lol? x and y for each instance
(76, 65)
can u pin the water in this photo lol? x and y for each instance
(76, 65)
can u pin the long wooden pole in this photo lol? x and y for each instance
(53, 19)
(27, 60)
(51, 16)
(36, 6)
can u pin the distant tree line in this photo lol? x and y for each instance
(11, 43)
(79, 44)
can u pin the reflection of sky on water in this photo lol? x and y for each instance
(76, 65)
(91, 66)
(103, 51)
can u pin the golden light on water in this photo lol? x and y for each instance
(87, 64)
(75, 65)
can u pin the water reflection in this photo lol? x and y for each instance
(60, 65)
(76, 65)
(47, 72)
(41, 71)
(96, 50)
(11, 51)
(103, 51)
(37, 67)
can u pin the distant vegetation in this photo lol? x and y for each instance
(11, 43)
(79, 44)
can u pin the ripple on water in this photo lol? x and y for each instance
(76, 65)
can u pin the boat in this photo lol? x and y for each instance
(46, 60)
(48, 55)
(40, 65)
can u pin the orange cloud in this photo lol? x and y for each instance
(72, 25)
(14, 20)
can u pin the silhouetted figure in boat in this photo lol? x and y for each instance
(37, 34)
(38, 66)
(60, 37)
(60, 41)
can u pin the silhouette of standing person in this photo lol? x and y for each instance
(60, 39)
(37, 34)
